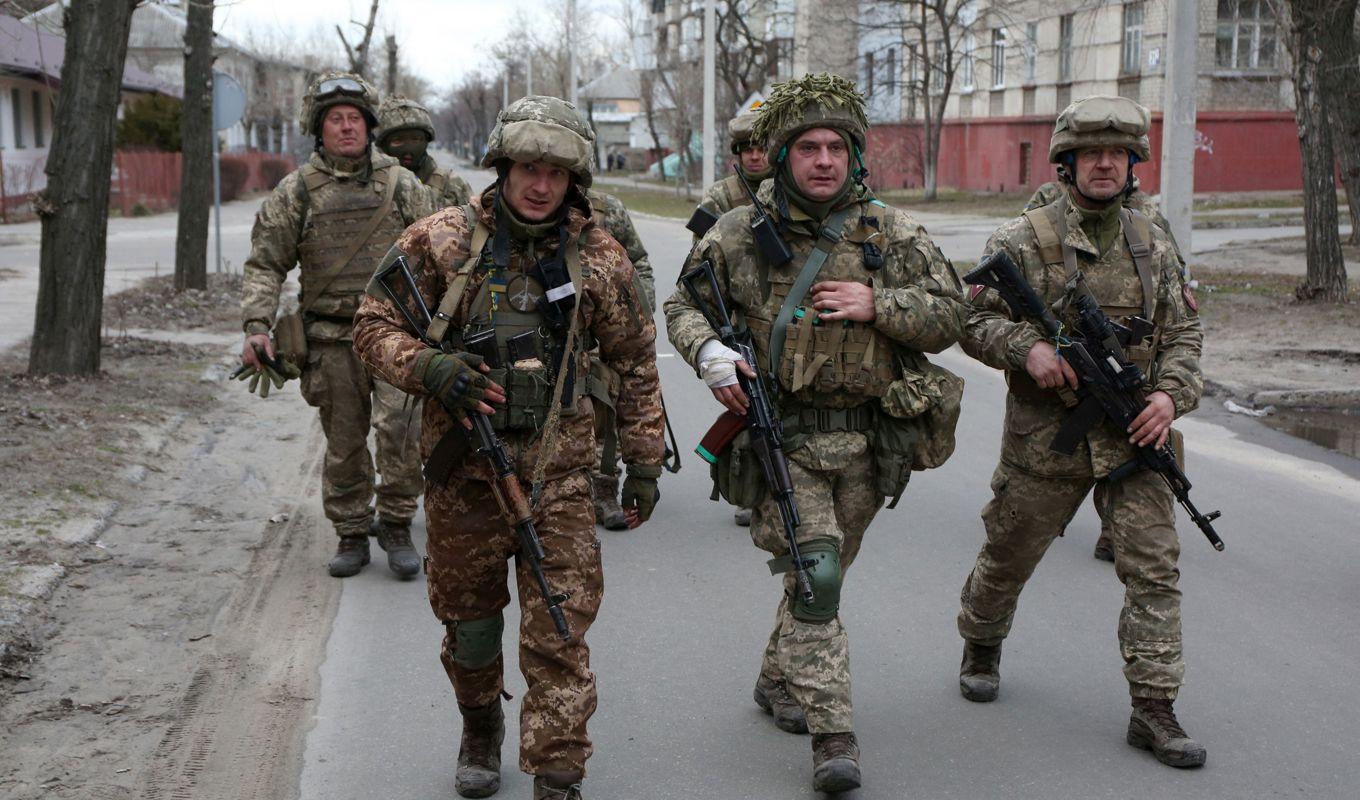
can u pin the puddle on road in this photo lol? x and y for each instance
(1334, 430)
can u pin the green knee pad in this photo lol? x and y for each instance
(477, 642)
(824, 574)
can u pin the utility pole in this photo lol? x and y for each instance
(505, 87)
(710, 82)
(528, 74)
(571, 51)
(1178, 120)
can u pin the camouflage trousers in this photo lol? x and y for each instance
(350, 401)
(606, 432)
(814, 659)
(469, 546)
(1028, 511)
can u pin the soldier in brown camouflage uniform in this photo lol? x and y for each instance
(335, 217)
(1036, 491)
(489, 274)
(405, 131)
(883, 295)
(1138, 201)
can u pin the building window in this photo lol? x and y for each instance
(779, 56)
(1132, 61)
(1031, 51)
(1065, 48)
(936, 73)
(966, 63)
(890, 70)
(998, 58)
(869, 74)
(17, 108)
(1246, 35)
(39, 135)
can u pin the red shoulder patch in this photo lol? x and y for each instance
(1189, 298)
(975, 291)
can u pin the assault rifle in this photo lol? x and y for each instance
(1111, 387)
(762, 419)
(509, 494)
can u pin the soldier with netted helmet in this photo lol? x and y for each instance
(1089, 243)
(334, 218)
(405, 131)
(525, 285)
(841, 329)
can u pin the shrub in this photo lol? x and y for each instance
(235, 173)
(151, 121)
(272, 171)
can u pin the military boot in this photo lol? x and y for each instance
(835, 762)
(479, 754)
(350, 556)
(773, 696)
(1104, 549)
(742, 517)
(395, 538)
(607, 511)
(557, 785)
(1153, 726)
(980, 672)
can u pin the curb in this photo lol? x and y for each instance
(1335, 399)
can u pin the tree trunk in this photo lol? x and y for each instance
(75, 205)
(1326, 277)
(391, 65)
(1341, 76)
(195, 185)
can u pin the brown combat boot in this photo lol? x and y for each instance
(607, 511)
(557, 785)
(1153, 726)
(835, 762)
(1104, 549)
(395, 539)
(773, 696)
(479, 754)
(980, 672)
(350, 556)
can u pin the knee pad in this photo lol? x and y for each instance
(477, 642)
(824, 574)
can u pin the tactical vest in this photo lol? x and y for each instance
(340, 212)
(840, 364)
(438, 182)
(528, 353)
(1112, 290)
(733, 196)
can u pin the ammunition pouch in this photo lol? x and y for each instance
(290, 339)
(916, 429)
(737, 475)
(844, 358)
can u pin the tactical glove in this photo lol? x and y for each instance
(640, 490)
(455, 380)
(275, 372)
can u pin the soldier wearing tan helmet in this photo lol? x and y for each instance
(727, 193)
(334, 218)
(405, 131)
(526, 277)
(1130, 267)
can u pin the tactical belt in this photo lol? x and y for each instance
(828, 420)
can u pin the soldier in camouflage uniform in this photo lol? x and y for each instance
(883, 293)
(1140, 202)
(489, 272)
(405, 132)
(1129, 265)
(335, 217)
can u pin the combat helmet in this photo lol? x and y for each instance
(822, 100)
(741, 130)
(1101, 121)
(543, 128)
(333, 89)
(402, 113)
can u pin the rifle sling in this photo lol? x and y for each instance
(453, 297)
(828, 237)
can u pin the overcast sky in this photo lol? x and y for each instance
(439, 39)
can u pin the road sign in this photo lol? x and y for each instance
(229, 101)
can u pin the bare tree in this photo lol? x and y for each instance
(392, 72)
(358, 54)
(195, 187)
(1342, 79)
(75, 205)
(1311, 28)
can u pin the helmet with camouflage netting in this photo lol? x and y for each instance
(822, 100)
(399, 113)
(334, 89)
(1101, 121)
(541, 128)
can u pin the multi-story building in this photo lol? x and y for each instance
(1017, 64)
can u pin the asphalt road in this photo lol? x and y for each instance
(1271, 633)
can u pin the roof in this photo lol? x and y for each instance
(620, 83)
(39, 55)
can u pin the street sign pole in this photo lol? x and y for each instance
(217, 197)
(228, 106)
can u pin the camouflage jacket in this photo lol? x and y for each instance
(1033, 415)
(917, 295)
(280, 224)
(1136, 200)
(445, 187)
(436, 247)
(723, 196)
(613, 217)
